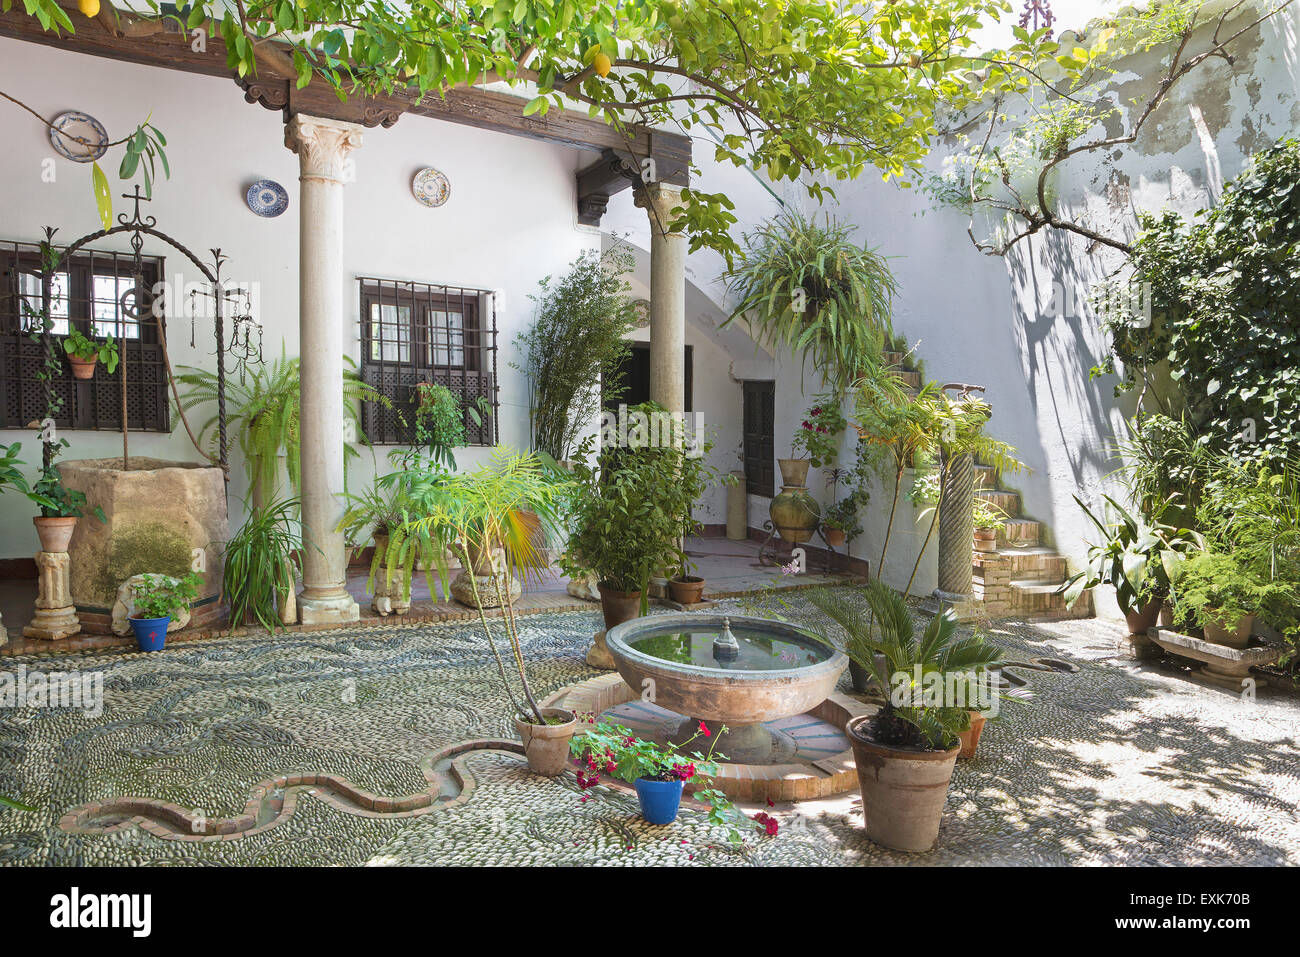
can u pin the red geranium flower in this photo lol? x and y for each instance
(704, 729)
(767, 823)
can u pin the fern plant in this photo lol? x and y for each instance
(262, 410)
(808, 287)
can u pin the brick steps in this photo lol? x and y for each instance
(1021, 576)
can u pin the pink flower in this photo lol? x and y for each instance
(683, 772)
(704, 730)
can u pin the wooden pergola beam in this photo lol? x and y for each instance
(116, 36)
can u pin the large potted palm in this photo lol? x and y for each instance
(906, 751)
(502, 505)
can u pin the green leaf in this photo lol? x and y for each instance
(536, 104)
(103, 199)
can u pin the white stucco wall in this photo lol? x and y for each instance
(510, 221)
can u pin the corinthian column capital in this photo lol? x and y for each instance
(659, 200)
(322, 146)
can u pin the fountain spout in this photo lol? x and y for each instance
(725, 646)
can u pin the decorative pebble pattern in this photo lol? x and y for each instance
(1121, 762)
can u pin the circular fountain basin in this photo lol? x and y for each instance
(776, 670)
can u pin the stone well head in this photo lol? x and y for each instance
(161, 517)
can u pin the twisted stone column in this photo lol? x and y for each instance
(956, 531)
(323, 147)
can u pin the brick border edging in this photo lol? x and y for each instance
(742, 782)
(172, 822)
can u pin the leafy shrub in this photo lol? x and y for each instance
(575, 347)
(1225, 296)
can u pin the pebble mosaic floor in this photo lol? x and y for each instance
(1119, 763)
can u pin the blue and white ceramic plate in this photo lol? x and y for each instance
(267, 198)
(431, 187)
(78, 136)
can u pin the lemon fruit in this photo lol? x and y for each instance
(88, 7)
(600, 61)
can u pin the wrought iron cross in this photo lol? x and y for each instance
(1040, 11)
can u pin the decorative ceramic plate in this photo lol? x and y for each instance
(78, 136)
(431, 187)
(267, 198)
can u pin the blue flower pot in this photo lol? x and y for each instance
(150, 633)
(659, 799)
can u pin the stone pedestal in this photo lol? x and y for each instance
(1220, 664)
(323, 147)
(4, 635)
(56, 616)
(390, 599)
(463, 590)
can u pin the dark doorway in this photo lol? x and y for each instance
(636, 379)
(759, 418)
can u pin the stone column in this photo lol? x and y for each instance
(667, 297)
(56, 616)
(667, 312)
(322, 146)
(956, 534)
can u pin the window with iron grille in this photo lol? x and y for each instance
(759, 452)
(413, 333)
(98, 293)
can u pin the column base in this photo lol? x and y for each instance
(51, 624)
(964, 607)
(328, 609)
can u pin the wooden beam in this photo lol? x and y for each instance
(616, 170)
(483, 109)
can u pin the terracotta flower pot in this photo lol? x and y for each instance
(547, 745)
(1144, 617)
(986, 540)
(618, 606)
(1166, 618)
(687, 589)
(970, 738)
(903, 792)
(82, 368)
(1233, 634)
(55, 533)
(794, 471)
(834, 537)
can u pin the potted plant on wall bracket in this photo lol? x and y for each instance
(1138, 558)
(440, 421)
(906, 751)
(806, 286)
(83, 353)
(154, 598)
